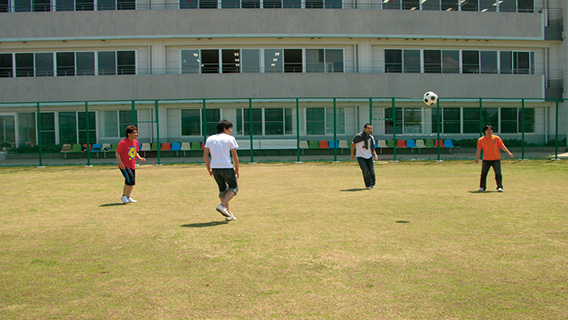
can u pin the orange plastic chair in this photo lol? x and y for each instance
(401, 143)
(166, 146)
(441, 142)
(324, 144)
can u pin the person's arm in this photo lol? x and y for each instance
(207, 161)
(119, 159)
(376, 156)
(352, 151)
(139, 157)
(235, 161)
(507, 150)
(477, 155)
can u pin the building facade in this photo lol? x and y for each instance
(280, 69)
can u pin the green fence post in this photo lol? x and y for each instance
(298, 128)
(334, 130)
(438, 128)
(39, 141)
(204, 121)
(250, 129)
(394, 128)
(371, 111)
(157, 130)
(87, 128)
(134, 118)
(481, 124)
(523, 128)
(556, 139)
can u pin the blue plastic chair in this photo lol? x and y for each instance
(332, 144)
(411, 144)
(96, 147)
(449, 143)
(176, 146)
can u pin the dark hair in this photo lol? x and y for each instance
(223, 124)
(130, 129)
(367, 124)
(487, 126)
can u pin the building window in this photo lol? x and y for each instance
(250, 60)
(489, 62)
(392, 4)
(84, 5)
(213, 116)
(430, 4)
(47, 131)
(271, 4)
(68, 127)
(231, 4)
(277, 121)
(314, 4)
(4, 5)
(82, 127)
(390, 122)
(190, 61)
(24, 65)
(209, 61)
(231, 61)
(393, 61)
(410, 5)
(6, 70)
(125, 62)
(44, 64)
(487, 5)
(294, 4)
(408, 120)
(319, 121)
(432, 61)
(450, 121)
(107, 63)
(251, 4)
(451, 61)
(65, 64)
(450, 5)
(8, 129)
(470, 61)
(273, 60)
(85, 63)
(65, 5)
(412, 61)
(26, 129)
(293, 60)
(506, 62)
(244, 121)
(521, 63)
(469, 5)
(191, 122)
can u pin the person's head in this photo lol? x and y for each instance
(224, 126)
(488, 129)
(368, 128)
(131, 132)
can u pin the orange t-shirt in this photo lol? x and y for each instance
(490, 147)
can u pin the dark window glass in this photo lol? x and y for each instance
(469, 5)
(506, 62)
(207, 4)
(42, 5)
(85, 63)
(293, 60)
(126, 62)
(432, 61)
(526, 5)
(107, 63)
(488, 61)
(231, 4)
(65, 64)
(451, 120)
(411, 61)
(47, 132)
(291, 4)
(188, 4)
(508, 120)
(521, 62)
(125, 4)
(274, 121)
(451, 61)
(487, 5)
(24, 64)
(83, 128)
(106, 5)
(190, 62)
(450, 5)
(44, 64)
(390, 124)
(26, 128)
(491, 116)
(470, 61)
(507, 5)
(392, 4)
(126, 118)
(393, 61)
(65, 5)
(430, 4)
(471, 120)
(209, 61)
(191, 122)
(270, 4)
(333, 4)
(68, 127)
(410, 5)
(333, 60)
(4, 5)
(22, 5)
(315, 60)
(528, 120)
(256, 121)
(251, 4)
(315, 121)
(85, 5)
(6, 65)
(314, 4)
(213, 116)
(231, 61)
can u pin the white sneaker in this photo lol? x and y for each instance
(369, 188)
(481, 189)
(132, 200)
(499, 189)
(232, 217)
(223, 210)
(124, 199)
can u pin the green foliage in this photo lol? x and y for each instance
(31, 149)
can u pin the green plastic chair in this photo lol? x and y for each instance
(196, 146)
(390, 144)
(154, 147)
(313, 144)
(76, 148)
(430, 143)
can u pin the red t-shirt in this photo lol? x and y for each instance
(128, 149)
(490, 147)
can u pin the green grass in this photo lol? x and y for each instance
(308, 243)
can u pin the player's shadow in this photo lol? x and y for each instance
(204, 224)
(353, 190)
(486, 191)
(112, 204)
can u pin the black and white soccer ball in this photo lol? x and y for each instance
(430, 98)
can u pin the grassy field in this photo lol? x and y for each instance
(309, 243)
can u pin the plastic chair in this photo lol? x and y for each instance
(313, 144)
(441, 142)
(343, 144)
(382, 144)
(323, 144)
(66, 148)
(401, 143)
(145, 148)
(411, 143)
(106, 147)
(176, 146)
(332, 144)
(96, 147)
(185, 146)
(449, 143)
(166, 146)
(154, 147)
(390, 143)
(113, 147)
(430, 143)
(420, 144)
(304, 144)
(196, 146)
(76, 148)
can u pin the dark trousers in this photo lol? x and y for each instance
(368, 169)
(485, 165)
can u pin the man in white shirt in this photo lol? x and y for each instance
(222, 147)
(364, 143)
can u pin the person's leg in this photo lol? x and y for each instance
(498, 176)
(365, 171)
(371, 167)
(485, 165)
(233, 187)
(127, 190)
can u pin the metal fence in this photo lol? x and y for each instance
(277, 129)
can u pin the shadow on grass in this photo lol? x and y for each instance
(353, 190)
(112, 204)
(486, 191)
(204, 224)
(402, 221)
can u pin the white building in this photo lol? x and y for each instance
(185, 65)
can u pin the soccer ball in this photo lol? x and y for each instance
(430, 98)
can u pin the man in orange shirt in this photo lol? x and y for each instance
(490, 144)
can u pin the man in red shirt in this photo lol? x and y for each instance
(126, 154)
(491, 145)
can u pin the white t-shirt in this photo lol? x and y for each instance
(220, 146)
(361, 152)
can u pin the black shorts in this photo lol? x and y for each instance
(129, 176)
(226, 180)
